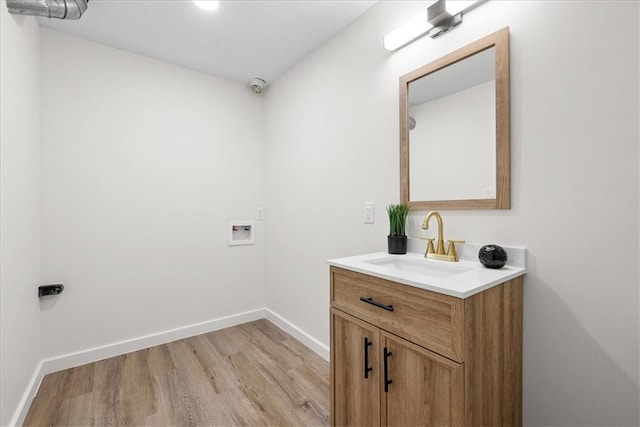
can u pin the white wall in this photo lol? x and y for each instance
(19, 209)
(143, 164)
(332, 143)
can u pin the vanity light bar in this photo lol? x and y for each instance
(439, 18)
(407, 33)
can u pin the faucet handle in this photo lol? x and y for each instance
(452, 248)
(430, 249)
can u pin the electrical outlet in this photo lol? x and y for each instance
(369, 212)
(260, 213)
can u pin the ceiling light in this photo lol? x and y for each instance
(208, 5)
(441, 16)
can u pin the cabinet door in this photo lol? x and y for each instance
(422, 388)
(355, 371)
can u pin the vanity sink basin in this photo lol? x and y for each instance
(434, 269)
(459, 279)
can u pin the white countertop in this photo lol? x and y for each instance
(459, 279)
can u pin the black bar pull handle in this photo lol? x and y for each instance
(387, 381)
(371, 301)
(367, 368)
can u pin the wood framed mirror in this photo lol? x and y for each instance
(455, 129)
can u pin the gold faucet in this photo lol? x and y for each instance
(439, 252)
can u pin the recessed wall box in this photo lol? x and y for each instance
(242, 233)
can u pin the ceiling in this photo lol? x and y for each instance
(239, 41)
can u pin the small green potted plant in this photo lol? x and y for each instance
(397, 238)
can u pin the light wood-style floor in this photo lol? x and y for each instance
(253, 374)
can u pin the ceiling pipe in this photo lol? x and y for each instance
(60, 9)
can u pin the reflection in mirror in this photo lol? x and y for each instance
(454, 129)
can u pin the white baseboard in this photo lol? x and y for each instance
(306, 339)
(95, 354)
(28, 396)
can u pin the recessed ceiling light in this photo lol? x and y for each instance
(207, 4)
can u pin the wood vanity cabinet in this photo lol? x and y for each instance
(405, 356)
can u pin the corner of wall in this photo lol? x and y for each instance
(20, 325)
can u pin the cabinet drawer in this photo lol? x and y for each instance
(427, 318)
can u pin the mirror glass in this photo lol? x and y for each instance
(454, 129)
(452, 133)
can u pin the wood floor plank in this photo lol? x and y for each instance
(216, 367)
(78, 411)
(47, 400)
(159, 360)
(173, 408)
(270, 402)
(77, 383)
(248, 375)
(226, 342)
(293, 394)
(263, 341)
(242, 411)
(313, 385)
(108, 405)
(196, 387)
(268, 328)
(137, 388)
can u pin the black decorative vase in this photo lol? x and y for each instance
(397, 244)
(492, 256)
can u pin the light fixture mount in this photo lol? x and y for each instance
(442, 16)
(437, 13)
(445, 26)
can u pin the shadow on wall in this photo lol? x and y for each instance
(583, 385)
